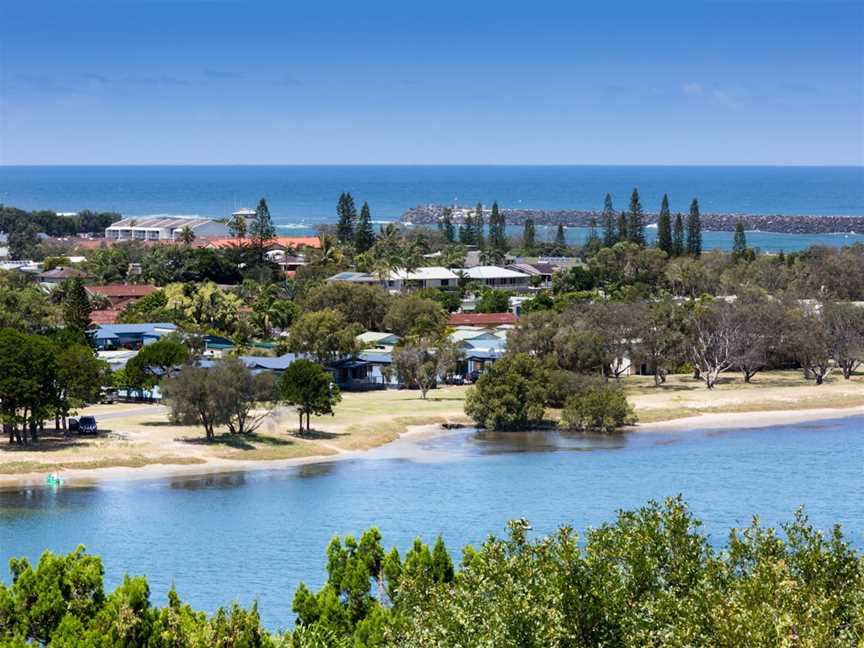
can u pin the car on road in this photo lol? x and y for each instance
(87, 425)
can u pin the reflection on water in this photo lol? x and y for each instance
(313, 470)
(204, 482)
(492, 443)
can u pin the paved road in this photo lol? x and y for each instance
(136, 411)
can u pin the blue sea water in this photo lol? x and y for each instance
(256, 535)
(302, 196)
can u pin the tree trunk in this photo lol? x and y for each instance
(818, 378)
(697, 372)
(711, 376)
(308, 427)
(301, 422)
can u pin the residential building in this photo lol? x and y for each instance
(540, 274)
(401, 279)
(485, 320)
(496, 277)
(163, 228)
(130, 336)
(59, 275)
(122, 294)
(378, 340)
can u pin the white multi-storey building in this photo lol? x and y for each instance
(163, 228)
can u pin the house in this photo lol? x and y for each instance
(496, 277)
(59, 275)
(117, 358)
(354, 374)
(378, 340)
(130, 336)
(258, 364)
(486, 320)
(122, 294)
(163, 228)
(540, 274)
(379, 363)
(400, 279)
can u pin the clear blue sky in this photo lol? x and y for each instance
(368, 82)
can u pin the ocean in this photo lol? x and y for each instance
(302, 196)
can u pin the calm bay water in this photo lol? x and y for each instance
(257, 535)
(302, 196)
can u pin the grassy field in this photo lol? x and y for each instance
(682, 396)
(134, 435)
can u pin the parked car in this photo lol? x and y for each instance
(87, 425)
(474, 376)
(72, 424)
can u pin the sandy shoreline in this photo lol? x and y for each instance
(402, 447)
(88, 476)
(751, 419)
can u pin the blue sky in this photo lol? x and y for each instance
(223, 82)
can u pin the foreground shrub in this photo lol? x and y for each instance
(649, 578)
(597, 407)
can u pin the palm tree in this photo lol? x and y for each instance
(187, 236)
(328, 252)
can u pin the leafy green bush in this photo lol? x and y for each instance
(509, 395)
(597, 407)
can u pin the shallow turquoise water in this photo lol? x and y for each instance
(257, 535)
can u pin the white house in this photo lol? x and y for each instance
(163, 228)
(399, 279)
(497, 277)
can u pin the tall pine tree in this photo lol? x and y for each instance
(610, 232)
(560, 239)
(529, 236)
(497, 230)
(739, 243)
(262, 231)
(622, 227)
(635, 220)
(347, 213)
(664, 228)
(477, 226)
(678, 236)
(364, 235)
(76, 307)
(446, 225)
(694, 230)
(592, 241)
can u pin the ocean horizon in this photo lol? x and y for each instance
(303, 196)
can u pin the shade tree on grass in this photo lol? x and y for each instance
(227, 394)
(309, 388)
(422, 361)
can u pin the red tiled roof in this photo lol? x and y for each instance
(104, 316)
(123, 290)
(482, 319)
(281, 241)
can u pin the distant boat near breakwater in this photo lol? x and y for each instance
(782, 224)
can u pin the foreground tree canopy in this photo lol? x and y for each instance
(649, 578)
